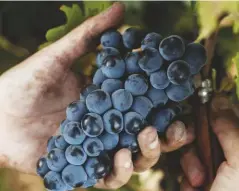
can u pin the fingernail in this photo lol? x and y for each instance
(150, 136)
(154, 144)
(127, 164)
(177, 132)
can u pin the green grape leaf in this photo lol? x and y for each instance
(236, 24)
(210, 11)
(74, 17)
(94, 7)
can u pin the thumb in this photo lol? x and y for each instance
(80, 40)
(59, 56)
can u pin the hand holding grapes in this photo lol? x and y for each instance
(36, 92)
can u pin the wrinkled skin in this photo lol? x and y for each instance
(34, 96)
(225, 124)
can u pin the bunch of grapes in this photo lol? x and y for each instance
(140, 80)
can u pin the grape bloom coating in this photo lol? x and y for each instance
(130, 90)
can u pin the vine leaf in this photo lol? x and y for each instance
(236, 24)
(74, 17)
(209, 13)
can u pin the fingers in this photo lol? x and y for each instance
(226, 128)
(150, 149)
(122, 171)
(80, 40)
(192, 168)
(177, 135)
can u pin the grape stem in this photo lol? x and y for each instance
(210, 43)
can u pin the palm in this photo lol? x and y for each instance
(38, 118)
(35, 93)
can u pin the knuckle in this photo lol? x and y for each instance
(152, 154)
(123, 154)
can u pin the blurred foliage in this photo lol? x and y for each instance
(210, 13)
(26, 27)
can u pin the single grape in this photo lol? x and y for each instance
(150, 60)
(87, 90)
(178, 72)
(51, 143)
(74, 176)
(89, 183)
(111, 85)
(76, 110)
(142, 105)
(98, 102)
(110, 141)
(151, 40)
(195, 55)
(111, 38)
(113, 67)
(97, 167)
(75, 155)
(42, 168)
(122, 100)
(136, 84)
(132, 37)
(73, 134)
(62, 125)
(158, 97)
(131, 61)
(61, 143)
(93, 146)
(56, 160)
(162, 119)
(113, 121)
(92, 124)
(101, 56)
(159, 79)
(129, 141)
(172, 48)
(133, 123)
(179, 93)
(98, 77)
(54, 182)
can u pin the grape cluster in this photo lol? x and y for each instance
(140, 80)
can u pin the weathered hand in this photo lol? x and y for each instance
(225, 126)
(35, 94)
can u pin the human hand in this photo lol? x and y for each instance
(35, 94)
(226, 127)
